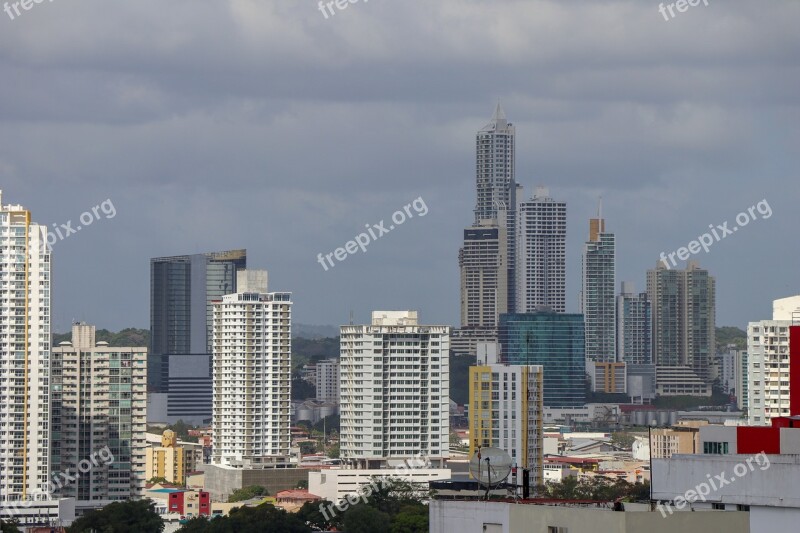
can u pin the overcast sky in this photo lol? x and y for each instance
(261, 124)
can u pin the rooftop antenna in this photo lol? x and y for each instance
(490, 466)
(351, 317)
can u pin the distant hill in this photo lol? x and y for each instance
(307, 331)
(731, 335)
(126, 337)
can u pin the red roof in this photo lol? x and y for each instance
(296, 494)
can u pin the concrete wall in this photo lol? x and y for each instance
(478, 517)
(719, 434)
(772, 520)
(221, 482)
(775, 485)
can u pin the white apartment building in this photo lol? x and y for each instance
(24, 356)
(327, 380)
(251, 376)
(395, 388)
(541, 254)
(766, 393)
(99, 403)
(767, 370)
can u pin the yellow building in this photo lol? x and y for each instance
(167, 461)
(505, 411)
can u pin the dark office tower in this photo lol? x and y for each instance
(181, 291)
(553, 340)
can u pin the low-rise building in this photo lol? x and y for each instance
(167, 461)
(571, 517)
(336, 483)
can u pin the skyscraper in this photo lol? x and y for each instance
(99, 399)
(554, 341)
(495, 151)
(634, 326)
(252, 375)
(395, 390)
(181, 291)
(683, 307)
(24, 356)
(541, 255)
(598, 301)
(487, 259)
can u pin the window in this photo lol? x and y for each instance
(717, 448)
(718, 506)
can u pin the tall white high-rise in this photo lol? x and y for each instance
(598, 301)
(541, 254)
(394, 390)
(252, 375)
(24, 356)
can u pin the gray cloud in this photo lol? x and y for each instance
(260, 124)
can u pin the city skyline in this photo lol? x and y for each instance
(339, 141)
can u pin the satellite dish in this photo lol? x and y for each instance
(490, 466)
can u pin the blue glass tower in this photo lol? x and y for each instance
(555, 341)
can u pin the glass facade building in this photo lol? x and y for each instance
(181, 291)
(556, 342)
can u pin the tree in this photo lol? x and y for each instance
(247, 493)
(596, 488)
(131, 516)
(157, 480)
(333, 451)
(411, 519)
(311, 515)
(329, 424)
(10, 526)
(308, 447)
(301, 389)
(623, 440)
(366, 519)
(262, 519)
